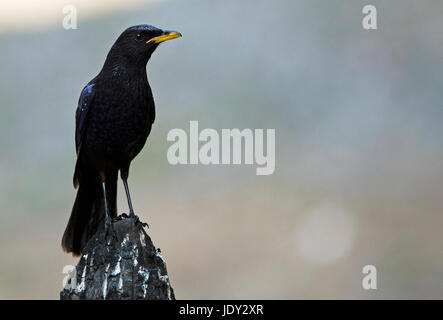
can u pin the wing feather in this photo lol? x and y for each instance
(85, 103)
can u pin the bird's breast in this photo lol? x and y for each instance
(122, 120)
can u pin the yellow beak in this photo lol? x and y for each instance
(167, 35)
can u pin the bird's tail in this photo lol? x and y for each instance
(88, 212)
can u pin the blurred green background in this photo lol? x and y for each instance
(359, 157)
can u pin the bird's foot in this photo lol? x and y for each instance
(144, 224)
(122, 216)
(137, 219)
(131, 216)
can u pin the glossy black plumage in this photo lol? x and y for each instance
(114, 117)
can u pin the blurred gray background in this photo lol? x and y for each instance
(357, 114)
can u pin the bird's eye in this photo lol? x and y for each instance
(139, 36)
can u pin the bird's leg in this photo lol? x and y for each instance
(128, 196)
(108, 223)
(124, 176)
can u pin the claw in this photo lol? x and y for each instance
(137, 220)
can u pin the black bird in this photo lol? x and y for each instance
(113, 120)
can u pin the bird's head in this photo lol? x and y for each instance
(136, 44)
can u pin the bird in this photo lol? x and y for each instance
(114, 116)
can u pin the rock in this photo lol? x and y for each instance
(121, 265)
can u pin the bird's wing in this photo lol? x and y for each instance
(81, 115)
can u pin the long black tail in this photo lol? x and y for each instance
(88, 211)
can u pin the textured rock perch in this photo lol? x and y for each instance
(123, 265)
